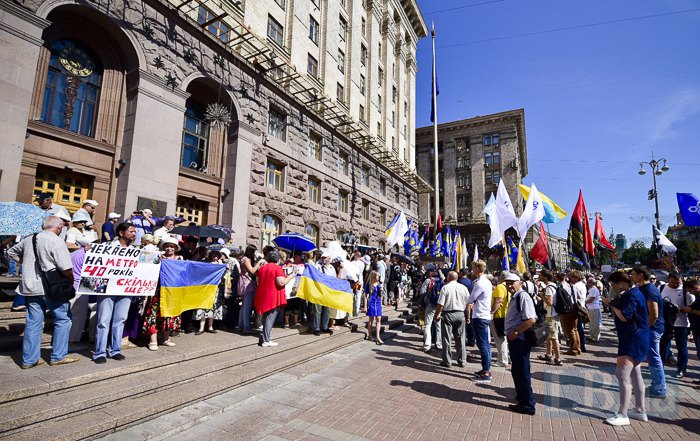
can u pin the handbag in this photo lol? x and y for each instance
(56, 286)
(582, 313)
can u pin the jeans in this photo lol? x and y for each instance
(321, 315)
(681, 334)
(656, 367)
(452, 324)
(114, 310)
(428, 330)
(268, 319)
(31, 343)
(483, 342)
(19, 300)
(246, 308)
(596, 317)
(665, 344)
(520, 370)
(501, 345)
(581, 334)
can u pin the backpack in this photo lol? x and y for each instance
(564, 302)
(433, 293)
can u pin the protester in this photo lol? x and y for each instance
(593, 305)
(80, 304)
(108, 227)
(499, 306)
(163, 232)
(569, 320)
(374, 307)
(465, 279)
(631, 324)
(578, 287)
(247, 285)
(79, 230)
(480, 298)
(206, 317)
(641, 276)
(520, 317)
(291, 311)
(144, 222)
(269, 295)
(87, 210)
(49, 253)
(692, 286)
(548, 293)
(677, 295)
(112, 310)
(430, 292)
(323, 313)
(450, 314)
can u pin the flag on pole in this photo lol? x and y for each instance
(662, 241)
(689, 207)
(599, 234)
(580, 241)
(447, 244)
(408, 238)
(520, 260)
(505, 214)
(490, 211)
(540, 252)
(439, 223)
(553, 212)
(415, 243)
(437, 246)
(476, 252)
(511, 255)
(321, 289)
(425, 241)
(455, 241)
(533, 213)
(396, 230)
(457, 254)
(465, 254)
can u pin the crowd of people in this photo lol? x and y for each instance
(455, 308)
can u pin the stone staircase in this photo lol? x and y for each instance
(12, 323)
(85, 401)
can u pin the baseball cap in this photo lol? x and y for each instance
(43, 195)
(147, 210)
(226, 252)
(512, 277)
(114, 215)
(62, 215)
(92, 202)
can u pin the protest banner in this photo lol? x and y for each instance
(119, 271)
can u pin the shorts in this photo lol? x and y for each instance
(553, 328)
(293, 306)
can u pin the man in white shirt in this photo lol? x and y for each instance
(578, 287)
(548, 294)
(480, 305)
(451, 305)
(163, 232)
(673, 291)
(593, 304)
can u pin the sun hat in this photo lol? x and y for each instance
(80, 216)
(512, 277)
(113, 215)
(171, 241)
(92, 202)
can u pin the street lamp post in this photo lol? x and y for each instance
(657, 167)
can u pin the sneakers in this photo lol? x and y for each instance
(153, 346)
(168, 343)
(484, 378)
(39, 362)
(66, 360)
(680, 374)
(640, 416)
(501, 364)
(269, 344)
(618, 420)
(659, 396)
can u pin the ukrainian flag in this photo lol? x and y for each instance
(321, 289)
(185, 285)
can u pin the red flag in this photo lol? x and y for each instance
(540, 252)
(580, 239)
(599, 234)
(439, 223)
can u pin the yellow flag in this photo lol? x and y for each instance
(520, 263)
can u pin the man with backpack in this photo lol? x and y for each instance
(568, 315)
(548, 294)
(430, 291)
(676, 298)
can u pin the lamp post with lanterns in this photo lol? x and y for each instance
(657, 167)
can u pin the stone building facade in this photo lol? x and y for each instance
(474, 154)
(119, 101)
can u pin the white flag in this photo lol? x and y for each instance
(396, 230)
(490, 211)
(476, 253)
(666, 245)
(505, 214)
(533, 213)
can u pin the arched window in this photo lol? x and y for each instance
(364, 240)
(271, 227)
(339, 236)
(72, 88)
(311, 231)
(195, 137)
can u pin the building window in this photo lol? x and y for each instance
(341, 61)
(493, 177)
(394, 94)
(313, 30)
(363, 84)
(340, 236)
(195, 137)
(492, 159)
(312, 66)
(364, 175)
(397, 195)
(342, 29)
(192, 210)
(362, 113)
(82, 83)
(379, 49)
(314, 187)
(344, 164)
(340, 92)
(463, 181)
(379, 103)
(312, 232)
(363, 55)
(280, 3)
(393, 118)
(365, 210)
(463, 200)
(342, 201)
(274, 175)
(382, 186)
(271, 227)
(217, 28)
(315, 146)
(275, 31)
(381, 77)
(405, 109)
(364, 240)
(379, 129)
(277, 124)
(382, 217)
(364, 27)
(66, 187)
(493, 139)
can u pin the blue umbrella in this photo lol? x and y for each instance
(19, 219)
(294, 242)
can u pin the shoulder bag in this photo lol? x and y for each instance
(56, 286)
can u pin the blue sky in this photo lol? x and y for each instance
(598, 99)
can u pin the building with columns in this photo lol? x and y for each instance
(474, 155)
(266, 115)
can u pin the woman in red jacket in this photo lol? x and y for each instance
(269, 295)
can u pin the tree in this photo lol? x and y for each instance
(637, 252)
(687, 253)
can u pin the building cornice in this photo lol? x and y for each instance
(38, 23)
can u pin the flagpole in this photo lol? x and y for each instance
(549, 248)
(435, 136)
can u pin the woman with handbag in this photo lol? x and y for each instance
(631, 324)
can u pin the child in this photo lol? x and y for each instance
(374, 306)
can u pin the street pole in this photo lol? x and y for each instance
(657, 167)
(656, 202)
(435, 138)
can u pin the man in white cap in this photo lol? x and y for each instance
(108, 227)
(78, 230)
(88, 209)
(79, 304)
(322, 313)
(46, 202)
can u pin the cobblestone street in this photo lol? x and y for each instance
(397, 392)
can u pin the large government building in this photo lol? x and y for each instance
(474, 155)
(262, 115)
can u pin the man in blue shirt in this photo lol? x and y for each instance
(655, 305)
(108, 227)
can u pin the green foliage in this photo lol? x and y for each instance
(638, 252)
(688, 252)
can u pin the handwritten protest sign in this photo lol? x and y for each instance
(119, 271)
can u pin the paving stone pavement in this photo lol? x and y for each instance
(396, 392)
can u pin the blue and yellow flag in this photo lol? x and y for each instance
(321, 289)
(185, 285)
(437, 246)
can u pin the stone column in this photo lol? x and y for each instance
(20, 40)
(152, 144)
(242, 138)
